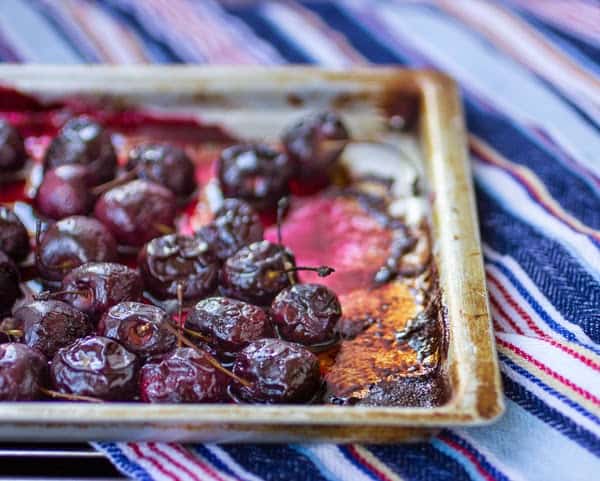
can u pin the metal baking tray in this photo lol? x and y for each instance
(259, 101)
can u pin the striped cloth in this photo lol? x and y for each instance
(529, 70)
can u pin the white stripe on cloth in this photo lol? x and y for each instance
(228, 461)
(334, 465)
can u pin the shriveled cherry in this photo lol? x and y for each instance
(140, 328)
(9, 283)
(182, 376)
(95, 287)
(49, 325)
(14, 240)
(23, 371)
(278, 372)
(72, 242)
(306, 313)
(255, 173)
(64, 191)
(164, 164)
(98, 367)
(12, 149)
(137, 212)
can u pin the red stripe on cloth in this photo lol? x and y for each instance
(139, 453)
(503, 313)
(156, 449)
(470, 456)
(192, 459)
(380, 474)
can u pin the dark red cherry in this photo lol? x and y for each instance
(98, 367)
(137, 212)
(14, 240)
(95, 287)
(236, 225)
(141, 328)
(12, 149)
(84, 142)
(256, 273)
(183, 376)
(9, 283)
(229, 324)
(72, 242)
(164, 164)
(278, 372)
(309, 143)
(167, 261)
(255, 173)
(306, 313)
(50, 325)
(23, 371)
(64, 191)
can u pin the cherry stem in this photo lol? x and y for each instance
(196, 334)
(164, 229)
(45, 295)
(12, 332)
(126, 177)
(282, 205)
(180, 310)
(322, 271)
(69, 397)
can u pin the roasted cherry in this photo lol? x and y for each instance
(278, 372)
(141, 328)
(164, 164)
(98, 367)
(183, 376)
(12, 149)
(23, 372)
(315, 143)
(95, 287)
(172, 260)
(236, 225)
(255, 173)
(306, 313)
(64, 191)
(9, 283)
(256, 273)
(229, 324)
(49, 325)
(71, 242)
(85, 142)
(14, 240)
(137, 211)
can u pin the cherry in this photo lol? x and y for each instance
(64, 191)
(9, 283)
(182, 376)
(140, 328)
(236, 225)
(14, 240)
(23, 372)
(164, 164)
(95, 287)
(172, 260)
(306, 313)
(12, 149)
(229, 324)
(278, 372)
(255, 173)
(72, 242)
(256, 273)
(137, 212)
(98, 367)
(49, 325)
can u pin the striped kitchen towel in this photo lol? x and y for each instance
(530, 74)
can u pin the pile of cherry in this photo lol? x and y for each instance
(245, 329)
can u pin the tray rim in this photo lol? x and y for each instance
(473, 367)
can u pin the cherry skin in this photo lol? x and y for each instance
(72, 242)
(164, 164)
(306, 313)
(14, 240)
(140, 328)
(9, 283)
(98, 367)
(95, 287)
(12, 149)
(255, 173)
(236, 225)
(23, 371)
(85, 142)
(64, 192)
(278, 372)
(256, 273)
(51, 324)
(172, 260)
(137, 212)
(229, 324)
(182, 376)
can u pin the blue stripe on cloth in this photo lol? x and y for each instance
(123, 463)
(203, 451)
